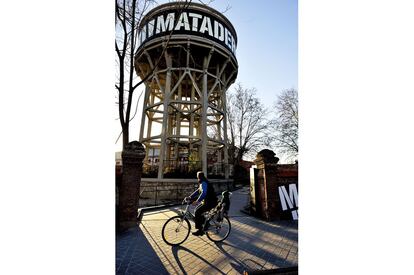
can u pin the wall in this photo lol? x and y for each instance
(274, 188)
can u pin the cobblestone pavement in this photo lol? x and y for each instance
(252, 244)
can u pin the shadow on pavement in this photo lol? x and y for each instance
(236, 264)
(247, 246)
(243, 265)
(176, 249)
(135, 255)
(254, 265)
(278, 227)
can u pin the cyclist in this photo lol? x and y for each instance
(207, 200)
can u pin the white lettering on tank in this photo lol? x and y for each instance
(150, 27)
(183, 21)
(206, 26)
(218, 31)
(195, 17)
(168, 24)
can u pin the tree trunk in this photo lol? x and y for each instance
(125, 136)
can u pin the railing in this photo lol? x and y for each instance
(185, 169)
(150, 170)
(216, 170)
(154, 194)
(181, 169)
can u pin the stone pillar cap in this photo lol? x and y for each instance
(134, 148)
(267, 156)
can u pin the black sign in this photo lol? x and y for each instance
(289, 199)
(190, 21)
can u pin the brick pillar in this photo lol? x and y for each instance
(132, 157)
(266, 185)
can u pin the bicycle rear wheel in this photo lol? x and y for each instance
(176, 230)
(218, 231)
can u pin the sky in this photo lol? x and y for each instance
(267, 50)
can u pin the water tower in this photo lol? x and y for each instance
(188, 53)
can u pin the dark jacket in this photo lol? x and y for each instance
(206, 194)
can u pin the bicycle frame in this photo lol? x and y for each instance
(190, 216)
(208, 215)
(187, 213)
(212, 223)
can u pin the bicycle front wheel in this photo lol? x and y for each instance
(176, 230)
(218, 231)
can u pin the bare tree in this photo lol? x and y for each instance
(286, 123)
(208, 3)
(248, 123)
(128, 15)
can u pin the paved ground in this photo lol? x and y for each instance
(252, 244)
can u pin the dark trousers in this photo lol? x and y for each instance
(198, 213)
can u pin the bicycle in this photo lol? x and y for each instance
(216, 226)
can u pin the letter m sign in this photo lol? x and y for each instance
(289, 200)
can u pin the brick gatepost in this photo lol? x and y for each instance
(267, 199)
(132, 157)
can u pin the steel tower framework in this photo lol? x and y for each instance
(184, 112)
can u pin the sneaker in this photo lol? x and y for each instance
(206, 226)
(198, 233)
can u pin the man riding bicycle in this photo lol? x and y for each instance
(207, 200)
